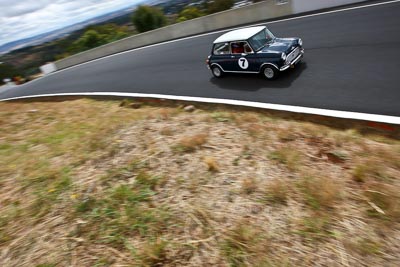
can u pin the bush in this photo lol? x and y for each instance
(189, 13)
(7, 71)
(147, 18)
(219, 5)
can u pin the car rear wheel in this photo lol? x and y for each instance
(216, 71)
(270, 72)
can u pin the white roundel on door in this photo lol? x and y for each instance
(243, 63)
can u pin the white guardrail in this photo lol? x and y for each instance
(265, 10)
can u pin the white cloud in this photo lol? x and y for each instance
(26, 18)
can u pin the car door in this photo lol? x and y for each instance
(243, 59)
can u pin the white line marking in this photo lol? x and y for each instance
(296, 109)
(332, 11)
(214, 32)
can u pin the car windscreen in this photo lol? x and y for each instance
(260, 39)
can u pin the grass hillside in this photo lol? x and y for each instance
(105, 183)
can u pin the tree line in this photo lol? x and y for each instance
(144, 18)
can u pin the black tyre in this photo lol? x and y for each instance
(270, 72)
(217, 72)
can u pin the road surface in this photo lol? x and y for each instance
(352, 63)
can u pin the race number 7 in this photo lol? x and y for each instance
(243, 62)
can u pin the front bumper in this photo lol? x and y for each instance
(294, 61)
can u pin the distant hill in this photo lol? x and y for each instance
(28, 54)
(49, 36)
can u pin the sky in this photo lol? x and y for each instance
(26, 18)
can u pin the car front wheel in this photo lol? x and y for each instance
(217, 72)
(270, 72)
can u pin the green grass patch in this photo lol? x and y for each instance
(47, 189)
(315, 228)
(367, 246)
(125, 211)
(222, 116)
(241, 245)
(290, 157)
(369, 171)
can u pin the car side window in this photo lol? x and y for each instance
(221, 49)
(240, 48)
(237, 47)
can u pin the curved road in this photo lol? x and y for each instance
(352, 63)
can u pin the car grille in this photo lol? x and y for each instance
(292, 55)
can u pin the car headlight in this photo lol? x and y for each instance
(283, 56)
(300, 42)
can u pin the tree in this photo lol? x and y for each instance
(189, 13)
(97, 35)
(91, 39)
(146, 18)
(7, 71)
(111, 32)
(219, 5)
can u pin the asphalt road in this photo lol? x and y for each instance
(352, 63)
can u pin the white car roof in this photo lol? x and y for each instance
(239, 35)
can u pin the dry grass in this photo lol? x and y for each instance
(287, 135)
(90, 183)
(384, 201)
(364, 246)
(154, 253)
(288, 156)
(255, 129)
(211, 164)
(320, 192)
(242, 245)
(369, 171)
(249, 185)
(191, 143)
(246, 117)
(315, 228)
(277, 191)
(168, 131)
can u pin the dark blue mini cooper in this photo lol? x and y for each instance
(254, 50)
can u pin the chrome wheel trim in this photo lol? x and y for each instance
(216, 71)
(269, 73)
